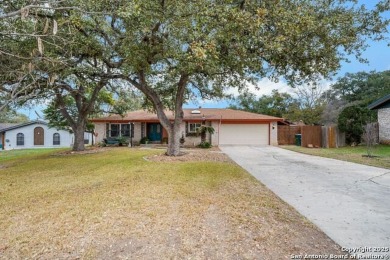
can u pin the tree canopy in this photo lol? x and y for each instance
(276, 104)
(349, 97)
(306, 104)
(8, 115)
(173, 50)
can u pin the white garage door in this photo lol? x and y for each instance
(246, 134)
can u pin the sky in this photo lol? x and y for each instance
(377, 54)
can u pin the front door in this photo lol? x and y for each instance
(154, 132)
(39, 136)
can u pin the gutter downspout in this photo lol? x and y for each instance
(219, 126)
(131, 136)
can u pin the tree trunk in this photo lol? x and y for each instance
(173, 128)
(203, 137)
(174, 140)
(78, 144)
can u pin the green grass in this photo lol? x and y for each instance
(113, 203)
(351, 154)
(9, 155)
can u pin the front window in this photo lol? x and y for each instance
(20, 139)
(125, 130)
(56, 139)
(193, 127)
(114, 130)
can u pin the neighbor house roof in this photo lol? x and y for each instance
(380, 103)
(15, 126)
(209, 114)
(6, 125)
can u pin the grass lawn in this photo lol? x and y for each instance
(350, 154)
(114, 204)
(24, 153)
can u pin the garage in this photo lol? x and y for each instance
(244, 134)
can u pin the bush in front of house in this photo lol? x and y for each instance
(144, 140)
(205, 145)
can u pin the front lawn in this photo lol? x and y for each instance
(115, 204)
(9, 155)
(351, 154)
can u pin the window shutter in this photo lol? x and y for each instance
(107, 130)
(186, 128)
(142, 130)
(132, 130)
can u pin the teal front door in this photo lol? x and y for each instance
(154, 132)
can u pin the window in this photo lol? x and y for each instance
(56, 139)
(114, 130)
(193, 127)
(125, 130)
(20, 139)
(120, 130)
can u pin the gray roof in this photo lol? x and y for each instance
(15, 126)
(380, 102)
(6, 125)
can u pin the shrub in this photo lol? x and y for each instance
(352, 120)
(144, 140)
(122, 140)
(204, 145)
(102, 144)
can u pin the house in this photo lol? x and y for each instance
(35, 134)
(232, 127)
(383, 107)
(3, 126)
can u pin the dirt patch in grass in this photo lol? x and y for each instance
(88, 150)
(192, 155)
(116, 205)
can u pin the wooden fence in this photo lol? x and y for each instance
(312, 136)
(286, 134)
(332, 137)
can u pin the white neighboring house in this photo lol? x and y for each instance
(36, 134)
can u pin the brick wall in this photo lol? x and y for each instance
(273, 133)
(137, 133)
(100, 129)
(384, 125)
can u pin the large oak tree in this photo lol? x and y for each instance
(173, 50)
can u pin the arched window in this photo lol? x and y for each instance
(56, 139)
(20, 139)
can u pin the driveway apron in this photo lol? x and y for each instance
(348, 201)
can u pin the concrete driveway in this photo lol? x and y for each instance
(348, 201)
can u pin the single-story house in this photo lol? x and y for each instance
(232, 127)
(36, 134)
(383, 107)
(3, 126)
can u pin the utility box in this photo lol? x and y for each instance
(298, 139)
